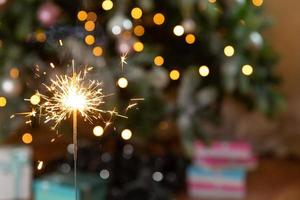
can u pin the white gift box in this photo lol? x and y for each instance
(15, 172)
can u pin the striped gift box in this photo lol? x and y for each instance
(225, 155)
(212, 183)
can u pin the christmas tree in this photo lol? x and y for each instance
(184, 57)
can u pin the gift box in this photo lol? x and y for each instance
(15, 172)
(61, 187)
(216, 184)
(225, 155)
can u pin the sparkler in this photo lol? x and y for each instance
(69, 96)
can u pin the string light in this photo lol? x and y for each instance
(82, 15)
(174, 74)
(257, 2)
(136, 13)
(126, 134)
(158, 60)
(89, 26)
(247, 70)
(139, 30)
(107, 5)
(122, 82)
(158, 18)
(178, 30)
(91, 16)
(35, 99)
(98, 131)
(89, 39)
(138, 46)
(14, 73)
(190, 38)
(97, 51)
(3, 101)
(212, 1)
(116, 30)
(27, 138)
(229, 51)
(204, 71)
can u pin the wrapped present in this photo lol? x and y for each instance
(15, 172)
(61, 187)
(216, 184)
(225, 155)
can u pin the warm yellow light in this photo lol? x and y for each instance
(97, 51)
(126, 134)
(89, 26)
(178, 30)
(190, 38)
(40, 36)
(74, 100)
(174, 74)
(35, 99)
(2, 101)
(159, 60)
(89, 40)
(139, 30)
(247, 70)
(212, 1)
(159, 19)
(138, 46)
(203, 70)
(98, 131)
(229, 51)
(107, 5)
(136, 13)
(91, 16)
(27, 138)
(82, 15)
(122, 82)
(14, 73)
(257, 2)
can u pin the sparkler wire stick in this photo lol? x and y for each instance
(75, 149)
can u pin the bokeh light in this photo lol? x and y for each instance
(204, 71)
(107, 5)
(3, 101)
(158, 18)
(190, 38)
(89, 26)
(27, 138)
(138, 46)
(229, 51)
(136, 13)
(97, 51)
(247, 70)
(82, 15)
(14, 73)
(98, 131)
(174, 74)
(158, 60)
(89, 39)
(122, 82)
(126, 134)
(35, 99)
(91, 16)
(257, 2)
(139, 30)
(178, 30)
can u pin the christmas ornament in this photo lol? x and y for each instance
(159, 77)
(48, 14)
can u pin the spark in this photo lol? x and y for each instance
(123, 60)
(137, 99)
(40, 165)
(131, 106)
(61, 43)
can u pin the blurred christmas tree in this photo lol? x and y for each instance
(183, 56)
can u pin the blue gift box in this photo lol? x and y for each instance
(61, 187)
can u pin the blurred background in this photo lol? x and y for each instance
(210, 89)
